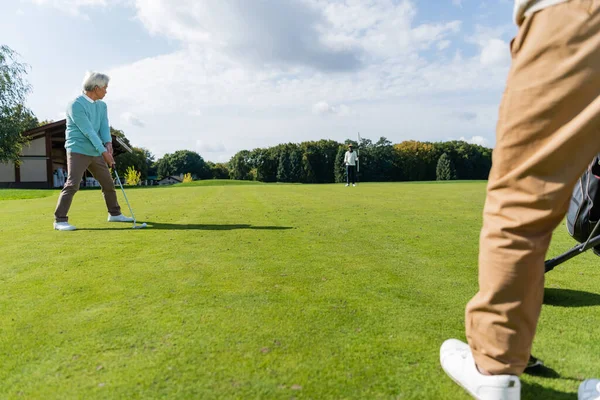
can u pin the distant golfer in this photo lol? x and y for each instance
(350, 160)
(89, 146)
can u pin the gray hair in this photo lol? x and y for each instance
(93, 79)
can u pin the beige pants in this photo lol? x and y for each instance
(76, 165)
(548, 132)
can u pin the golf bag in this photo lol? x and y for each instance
(583, 215)
(584, 210)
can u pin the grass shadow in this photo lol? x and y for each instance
(535, 391)
(203, 227)
(544, 371)
(212, 227)
(570, 298)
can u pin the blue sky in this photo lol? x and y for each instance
(219, 76)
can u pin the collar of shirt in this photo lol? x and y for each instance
(88, 99)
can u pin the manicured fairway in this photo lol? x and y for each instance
(263, 291)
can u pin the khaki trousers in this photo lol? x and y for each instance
(76, 166)
(548, 132)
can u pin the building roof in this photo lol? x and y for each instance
(58, 125)
(175, 178)
(57, 129)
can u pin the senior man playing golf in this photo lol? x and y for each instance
(89, 146)
(547, 134)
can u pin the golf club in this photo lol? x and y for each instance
(135, 226)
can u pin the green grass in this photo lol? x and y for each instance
(220, 182)
(20, 194)
(264, 292)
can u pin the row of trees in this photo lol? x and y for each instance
(322, 162)
(381, 161)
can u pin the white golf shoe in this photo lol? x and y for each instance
(457, 361)
(63, 226)
(119, 218)
(589, 390)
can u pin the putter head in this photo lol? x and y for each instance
(142, 226)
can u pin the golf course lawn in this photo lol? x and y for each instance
(264, 291)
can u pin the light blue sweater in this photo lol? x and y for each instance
(87, 127)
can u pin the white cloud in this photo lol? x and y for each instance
(323, 108)
(465, 115)
(480, 140)
(65, 4)
(267, 31)
(443, 44)
(210, 72)
(382, 28)
(210, 147)
(131, 119)
(74, 7)
(427, 34)
(495, 52)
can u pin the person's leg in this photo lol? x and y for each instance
(76, 166)
(100, 171)
(547, 135)
(353, 167)
(347, 175)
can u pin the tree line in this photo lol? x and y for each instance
(322, 161)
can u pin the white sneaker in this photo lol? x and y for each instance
(457, 361)
(347, 185)
(63, 226)
(353, 184)
(589, 390)
(119, 218)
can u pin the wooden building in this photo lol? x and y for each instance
(43, 160)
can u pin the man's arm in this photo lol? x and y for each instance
(104, 126)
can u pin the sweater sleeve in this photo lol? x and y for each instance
(85, 126)
(104, 128)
